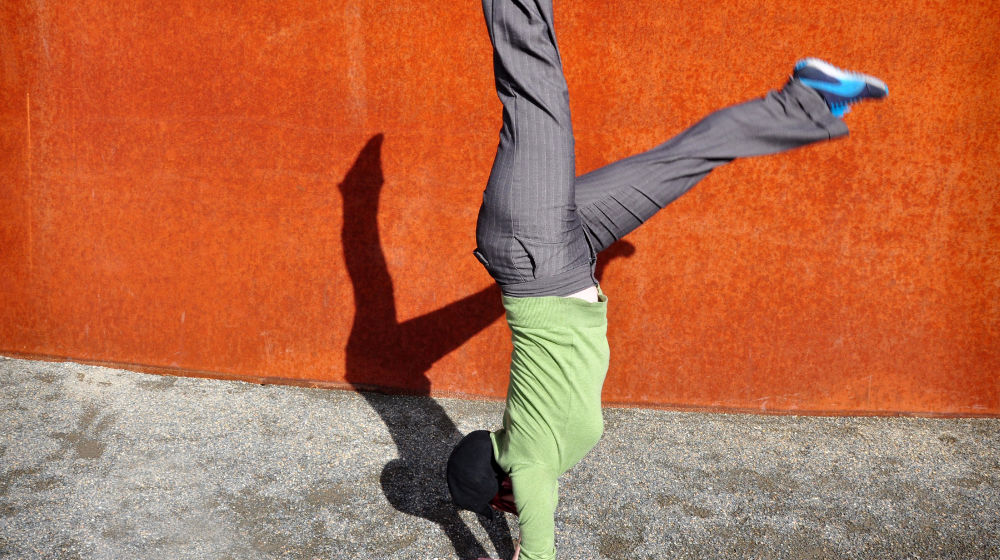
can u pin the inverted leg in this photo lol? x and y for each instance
(619, 197)
(529, 236)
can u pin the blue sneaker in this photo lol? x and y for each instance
(838, 87)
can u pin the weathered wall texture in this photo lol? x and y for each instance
(261, 189)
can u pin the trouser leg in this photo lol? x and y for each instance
(528, 234)
(617, 198)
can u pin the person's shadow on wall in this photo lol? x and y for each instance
(385, 354)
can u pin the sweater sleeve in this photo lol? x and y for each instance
(536, 495)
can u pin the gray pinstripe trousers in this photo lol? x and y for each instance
(540, 227)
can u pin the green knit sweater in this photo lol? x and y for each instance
(553, 416)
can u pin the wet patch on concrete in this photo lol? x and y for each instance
(84, 439)
(747, 480)
(620, 540)
(277, 525)
(156, 382)
(947, 439)
(68, 549)
(329, 494)
(692, 510)
(617, 547)
(44, 484)
(696, 511)
(971, 482)
(13, 476)
(46, 377)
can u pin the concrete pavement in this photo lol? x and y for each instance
(99, 463)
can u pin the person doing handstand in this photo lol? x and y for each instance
(539, 232)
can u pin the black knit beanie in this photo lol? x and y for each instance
(473, 474)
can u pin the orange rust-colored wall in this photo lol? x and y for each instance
(289, 190)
